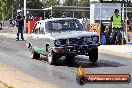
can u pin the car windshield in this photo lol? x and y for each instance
(63, 25)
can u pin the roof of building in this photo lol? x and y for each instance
(53, 19)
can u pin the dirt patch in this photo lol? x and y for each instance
(18, 79)
(8, 30)
(2, 85)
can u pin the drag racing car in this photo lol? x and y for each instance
(59, 37)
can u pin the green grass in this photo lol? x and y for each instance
(6, 85)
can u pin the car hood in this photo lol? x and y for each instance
(73, 34)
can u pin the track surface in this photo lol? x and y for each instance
(15, 53)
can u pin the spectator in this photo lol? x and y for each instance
(20, 25)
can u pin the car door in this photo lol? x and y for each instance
(41, 39)
(33, 37)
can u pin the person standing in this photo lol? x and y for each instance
(63, 15)
(20, 25)
(117, 28)
(36, 18)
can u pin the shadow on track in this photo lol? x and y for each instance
(85, 63)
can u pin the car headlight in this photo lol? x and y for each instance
(68, 42)
(95, 39)
(89, 39)
(57, 42)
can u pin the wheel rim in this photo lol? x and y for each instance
(31, 53)
(49, 56)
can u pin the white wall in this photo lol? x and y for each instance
(106, 11)
(92, 12)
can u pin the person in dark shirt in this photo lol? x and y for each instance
(20, 25)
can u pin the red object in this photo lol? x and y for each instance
(31, 26)
(36, 19)
(65, 47)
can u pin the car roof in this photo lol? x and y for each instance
(54, 19)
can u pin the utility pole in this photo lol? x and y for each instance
(25, 14)
(126, 26)
(12, 12)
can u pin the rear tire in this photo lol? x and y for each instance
(33, 54)
(93, 55)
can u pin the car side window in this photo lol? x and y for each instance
(36, 29)
(41, 29)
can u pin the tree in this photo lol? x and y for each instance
(34, 4)
(8, 5)
(70, 3)
(84, 3)
(1, 9)
(50, 3)
(6, 9)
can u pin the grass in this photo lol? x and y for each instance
(6, 85)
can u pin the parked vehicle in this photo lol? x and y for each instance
(59, 37)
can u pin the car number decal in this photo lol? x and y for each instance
(37, 48)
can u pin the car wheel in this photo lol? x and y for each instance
(70, 58)
(33, 54)
(51, 56)
(93, 55)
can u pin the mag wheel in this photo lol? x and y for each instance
(51, 56)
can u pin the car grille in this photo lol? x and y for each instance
(75, 41)
(81, 41)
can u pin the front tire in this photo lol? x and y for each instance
(93, 55)
(51, 56)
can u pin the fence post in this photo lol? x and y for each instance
(126, 26)
(44, 15)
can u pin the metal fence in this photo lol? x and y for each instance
(55, 14)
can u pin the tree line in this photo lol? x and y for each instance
(8, 8)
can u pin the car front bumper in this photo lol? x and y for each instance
(78, 50)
